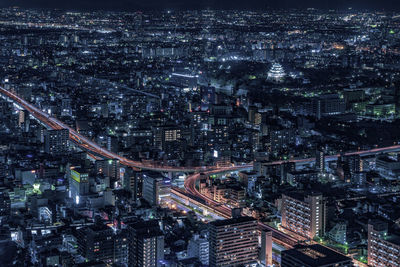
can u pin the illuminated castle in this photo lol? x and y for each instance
(276, 73)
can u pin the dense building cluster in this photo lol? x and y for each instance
(264, 138)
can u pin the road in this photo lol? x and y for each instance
(94, 148)
(190, 183)
(373, 151)
(278, 236)
(190, 186)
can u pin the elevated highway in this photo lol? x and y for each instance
(93, 148)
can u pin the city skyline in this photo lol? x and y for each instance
(133, 5)
(199, 137)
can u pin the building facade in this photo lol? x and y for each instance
(146, 244)
(56, 141)
(304, 214)
(154, 187)
(383, 248)
(233, 242)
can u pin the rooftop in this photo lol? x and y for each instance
(315, 255)
(232, 221)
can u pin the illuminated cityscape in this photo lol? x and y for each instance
(185, 135)
(276, 73)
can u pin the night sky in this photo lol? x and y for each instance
(389, 5)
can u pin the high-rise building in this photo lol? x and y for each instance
(233, 242)
(266, 248)
(41, 134)
(146, 244)
(304, 214)
(155, 186)
(133, 181)
(314, 256)
(21, 118)
(252, 114)
(383, 247)
(198, 247)
(249, 178)
(78, 184)
(258, 118)
(354, 163)
(171, 135)
(293, 177)
(121, 247)
(66, 107)
(110, 168)
(96, 243)
(56, 141)
(164, 136)
(320, 161)
(112, 143)
(237, 196)
(105, 244)
(281, 138)
(328, 105)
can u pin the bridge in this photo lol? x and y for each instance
(368, 152)
(226, 212)
(191, 194)
(93, 148)
(278, 237)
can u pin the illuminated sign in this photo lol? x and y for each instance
(215, 154)
(76, 176)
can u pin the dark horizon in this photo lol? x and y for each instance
(132, 5)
